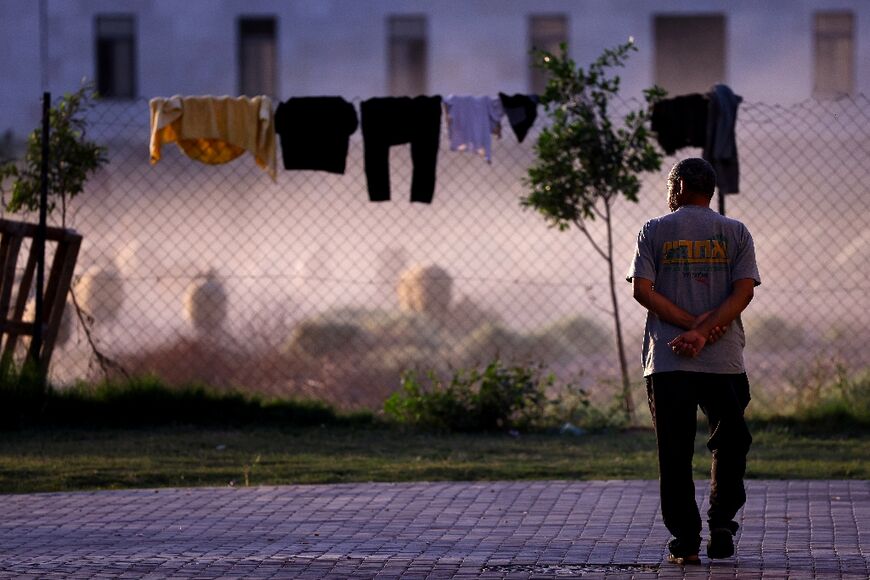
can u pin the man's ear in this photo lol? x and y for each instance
(681, 185)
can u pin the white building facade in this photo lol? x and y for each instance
(781, 51)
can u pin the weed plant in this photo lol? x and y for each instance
(499, 397)
(496, 398)
(823, 397)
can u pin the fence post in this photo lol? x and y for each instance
(39, 240)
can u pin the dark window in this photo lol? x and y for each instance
(258, 57)
(689, 52)
(545, 33)
(116, 56)
(407, 55)
(834, 54)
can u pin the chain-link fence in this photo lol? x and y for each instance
(302, 287)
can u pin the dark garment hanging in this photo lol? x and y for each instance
(388, 121)
(521, 111)
(314, 132)
(680, 122)
(720, 148)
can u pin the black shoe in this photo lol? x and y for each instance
(690, 560)
(683, 553)
(721, 544)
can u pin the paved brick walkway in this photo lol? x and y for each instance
(791, 529)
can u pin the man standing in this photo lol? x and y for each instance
(695, 272)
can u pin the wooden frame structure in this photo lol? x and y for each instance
(12, 327)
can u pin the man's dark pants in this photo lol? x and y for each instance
(674, 398)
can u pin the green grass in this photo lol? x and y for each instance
(140, 433)
(65, 459)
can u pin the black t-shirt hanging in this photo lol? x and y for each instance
(680, 122)
(314, 132)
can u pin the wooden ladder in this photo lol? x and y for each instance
(57, 285)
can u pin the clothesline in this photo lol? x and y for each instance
(314, 131)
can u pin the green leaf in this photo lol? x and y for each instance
(72, 158)
(584, 157)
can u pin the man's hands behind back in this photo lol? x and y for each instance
(691, 342)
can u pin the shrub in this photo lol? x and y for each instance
(324, 338)
(399, 359)
(490, 342)
(823, 397)
(856, 392)
(836, 398)
(389, 330)
(466, 315)
(146, 401)
(498, 397)
(574, 335)
(773, 334)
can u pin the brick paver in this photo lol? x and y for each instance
(546, 529)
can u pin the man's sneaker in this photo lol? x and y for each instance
(689, 560)
(683, 553)
(721, 544)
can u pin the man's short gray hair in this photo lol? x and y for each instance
(697, 174)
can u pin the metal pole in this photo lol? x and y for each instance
(43, 44)
(39, 241)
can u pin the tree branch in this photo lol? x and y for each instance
(104, 361)
(582, 227)
(597, 212)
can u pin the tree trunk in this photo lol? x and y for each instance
(627, 400)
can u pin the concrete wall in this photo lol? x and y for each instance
(339, 46)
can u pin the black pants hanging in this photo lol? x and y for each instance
(674, 398)
(392, 121)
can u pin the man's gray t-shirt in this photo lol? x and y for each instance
(692, 256)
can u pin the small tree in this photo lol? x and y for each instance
(585, 162)
(71, 158)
